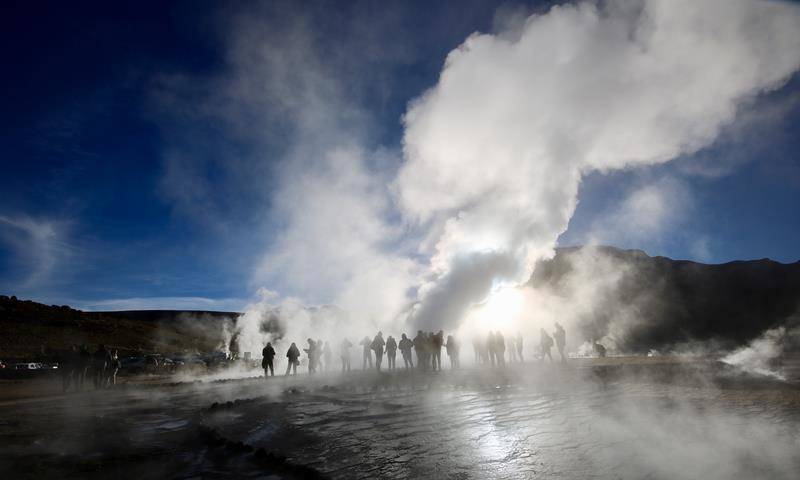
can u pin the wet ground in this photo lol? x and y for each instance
(615, 418)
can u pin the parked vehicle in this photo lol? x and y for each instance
(28, 366)
(188, 362)
(166, 365)
(132, 364)
(216, 359)
(152, 363)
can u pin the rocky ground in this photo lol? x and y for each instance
(613, 418)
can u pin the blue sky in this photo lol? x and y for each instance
(124, 187)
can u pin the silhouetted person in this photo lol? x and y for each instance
(431, 350)
(491, 347)
(419, 348)
(327, 354)
(344, 354)
(267, 357)
(600, 349)
(233, 347)
(545, 344)
(84, 366)
(293, 354)
(452, 351)
(560, 337)
(367, 352)
(518, 344)
(391, 352)
(377, 347)
(113, 368)
(500, 348)
(483, 350)
(438, 343)
(512, 351)
(100, 361)
(427, 351)
(405, 348)
(476, 348)
(311, 352)
(68, 367)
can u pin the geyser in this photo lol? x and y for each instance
(494, 153)
(496, 150)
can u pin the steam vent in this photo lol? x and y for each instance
(401, 240)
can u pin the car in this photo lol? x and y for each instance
(132, 364)
(216, 359)
(177, 362)
(166, 364)
(28, 366)
(188, 362)
(152, 363)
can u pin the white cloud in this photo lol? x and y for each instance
(38, 245)
(164, 303)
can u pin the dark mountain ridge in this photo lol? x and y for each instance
(665, 303)
(672, 302)
(30, 328)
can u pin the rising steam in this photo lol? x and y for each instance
(494, 153)
(762, 355)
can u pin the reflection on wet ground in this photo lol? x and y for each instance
(687, 420)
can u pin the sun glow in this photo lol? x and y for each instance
(501, 311)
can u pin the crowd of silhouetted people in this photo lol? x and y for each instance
(79, 367)
(426, 346)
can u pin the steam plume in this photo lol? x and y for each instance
(496, 150)
(494, 153)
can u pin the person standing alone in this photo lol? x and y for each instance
(561, 340)
(344, 354)
(365, 344)
(545, 344)
(293, 354)
(377, 346)
(267, 356)
(405, 348)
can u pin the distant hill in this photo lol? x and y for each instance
(160, 316)
(29, 328)
(660, 303)
(657, 303)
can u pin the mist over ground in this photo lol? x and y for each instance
(492, 160)
(602, 418)
(454, 221)
(624, 299)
